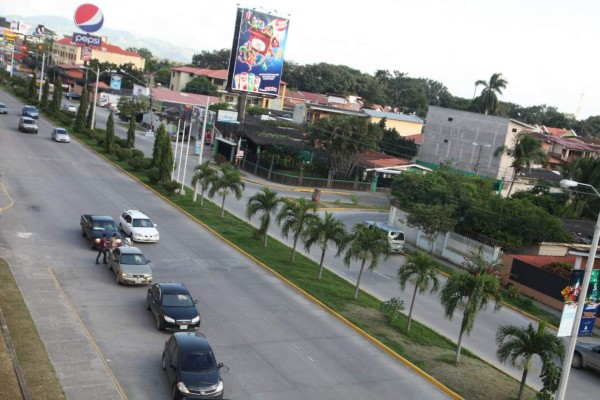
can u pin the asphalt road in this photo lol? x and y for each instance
(383, 283)
(277, 344)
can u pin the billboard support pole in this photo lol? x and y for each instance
(201, 144)
(241, 117)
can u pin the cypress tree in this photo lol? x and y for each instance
(131, 132)
(110, 134)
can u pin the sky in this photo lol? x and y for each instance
(545, 49)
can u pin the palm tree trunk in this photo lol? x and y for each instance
(459, 345)
(294, 249)
(321, 263)
(202, 196)
(524, 379)
(266, 236)
(512, 182)
(362, 267)
(223, 207)
(412, 304)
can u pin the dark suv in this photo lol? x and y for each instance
(191, 368)
(30, 111)
(173, 306)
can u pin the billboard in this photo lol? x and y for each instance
(257, 53)
(572, 296)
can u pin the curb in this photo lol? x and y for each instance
(15, 360)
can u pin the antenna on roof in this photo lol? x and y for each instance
(579, 105)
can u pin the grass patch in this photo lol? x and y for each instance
(40, 377)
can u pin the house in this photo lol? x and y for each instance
(405, 124)
(65, 52)
(468, 141)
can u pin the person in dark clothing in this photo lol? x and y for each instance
(102, 249)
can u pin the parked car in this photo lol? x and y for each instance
(30, 111)
(129, 265)
(69, 107)
(28, 124)
(586, 355)
(3, 108)
(191, 367)
(173, 306)
(73, 96)
(60, 135)
(138, 226)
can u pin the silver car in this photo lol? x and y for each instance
(129, 265)
(586, 355)
(28, 124)
(60, 135)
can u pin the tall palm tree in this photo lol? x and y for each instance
(366, 242)
(265, 202)
(525, 151)
(581, 204)
(516, 343)
(489, 94)
(295, 216)
(420, 270)
(471, 293)
(230, 180)
(204, 175)
(322, 231)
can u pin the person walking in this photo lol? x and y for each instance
(113, 241)
(102, 249)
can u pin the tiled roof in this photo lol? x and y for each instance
(212, 73)
(572, 144)
(171, 96)
(374, 159)
(393, 116)
(540, 261)
(109, 48)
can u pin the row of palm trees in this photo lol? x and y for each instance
(470, 291)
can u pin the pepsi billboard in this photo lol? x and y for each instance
(257, 53)
(88, 18)
(86, 40)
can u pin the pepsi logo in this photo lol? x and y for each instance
(88, 18)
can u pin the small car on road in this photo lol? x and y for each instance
(60, 135)
(3, 108)
(138, 226)
(191, 367)
(28, 124)
(586, 355)
(69, 107)
(30, 111)
(73, 96)
(129, 265)
(173, 306)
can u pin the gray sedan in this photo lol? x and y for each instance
(130, 265)
(587, 355)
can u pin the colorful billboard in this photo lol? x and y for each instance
(257, 53)
(572, 295)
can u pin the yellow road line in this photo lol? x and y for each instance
(11, 202)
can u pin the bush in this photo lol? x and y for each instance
(100, 138)
(147, 162)
(121, 142)
(64, 119)
(137, 153)
(153, 175)
(561, 269)
(514, 292)
(170, 187)
(136, 163)
(123, 154)
(393, 308)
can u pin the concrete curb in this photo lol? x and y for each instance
(15, 359)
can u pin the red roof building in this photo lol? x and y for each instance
(65, 52)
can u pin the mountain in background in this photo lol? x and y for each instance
(159, 49)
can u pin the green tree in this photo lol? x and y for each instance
(56, 96)
(31, 89)
(366, 243)
(432, 220)
(158, 147)
(518, 345)
(131, 133)
(525, 151)
(200, 84)
(395, 145)
(204, 175)
(295, 216)
(420, 270)
(163, 76)
(216, 59)
(90, 114)
(490, 92)
(109, 142)
(322, 231)
(583, 202)
(166, 158)
(230, 181)
(471, 293)
(45, 95)
(80, 118)
(265, 202)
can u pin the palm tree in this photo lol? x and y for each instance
(420, 270)
(366, 242)
(471, 292)
(230, 180)
(321, 231)
(581, 204)
(205, 176)
(295, 216)
(489, 98)
(525, 151)
(266, 202)
(517, 343)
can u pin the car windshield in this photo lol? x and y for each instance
(142, 223)
(28, 121)
(198, 362)
(61, 132)
(107, 226)
(132, 259)
(30, 109)
(177, 300)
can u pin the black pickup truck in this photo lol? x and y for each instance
(93, 226)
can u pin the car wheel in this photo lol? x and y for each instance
(117, 275)
(175, 394)
(164, 362)
(148, 303)
(160, 325)
(577, 362)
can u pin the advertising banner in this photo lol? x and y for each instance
(86, 53)
(257, 54)
(115, 82)
(572, 296)
(140, 91)
(81, 39)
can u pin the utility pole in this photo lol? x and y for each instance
(42, 76)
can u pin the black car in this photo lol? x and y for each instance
(73, 96)
(30, 111)
(191, 368)
(172, 306)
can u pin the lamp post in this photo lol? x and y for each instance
(566, 368)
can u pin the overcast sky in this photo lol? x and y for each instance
(545, 49)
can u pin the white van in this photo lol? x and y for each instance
(395, 235)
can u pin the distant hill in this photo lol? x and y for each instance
(159, 49)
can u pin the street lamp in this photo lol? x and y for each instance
(97, 72)
(566, 368)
